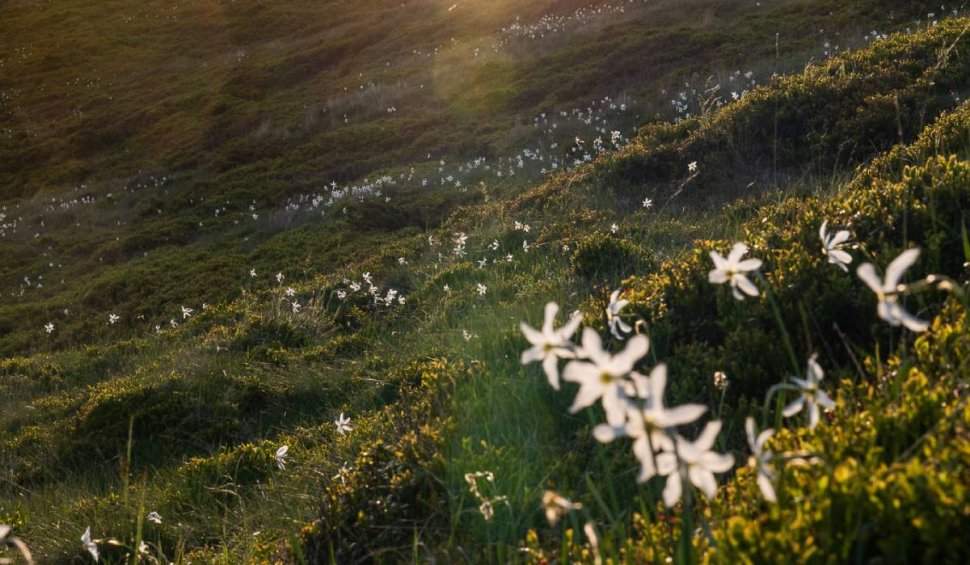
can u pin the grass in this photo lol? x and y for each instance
(103, 423)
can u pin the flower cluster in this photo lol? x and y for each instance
(633, 402)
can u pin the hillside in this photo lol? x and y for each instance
(269, 273)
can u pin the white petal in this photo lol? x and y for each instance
(749, 429)
(532, 355)
(532, 334)
(683, 414)
(750, 265)
(551, 367)
(707, 438)
(604, 433)
(719, 262)
(736, 253)
(867, 272)
(896, 269)
(672, 490)
(717, 276)
(812, 415)
(614, 406)
(815, 372)
(767, 489)
(704, 480)
(587, 395)
(888, 311)
(746, 285)
(550, 318)
(763, 438)
(794, 408)
(911, 322)
(648, 460)
(658, 382)
(840, 257)
(717, 462)
(840, 237)
(666, 463)
(569, 329)
(738, 295)
(593, 347)
(580, 372)
(636, 348)
(824, 400)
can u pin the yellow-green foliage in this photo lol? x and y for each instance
(842, 111)
(893, 473)
(392, 486)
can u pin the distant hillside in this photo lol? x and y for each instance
(154, 154)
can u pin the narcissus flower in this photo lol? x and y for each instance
(888, 290)
(617, 325)
(651, 425)
(550, 344)
(281, 457)
(89, 545)
(343, 424)
(695, 462)
(761, 458)
(732, 270)
(811, 395)
(604, 375)
(833, 246)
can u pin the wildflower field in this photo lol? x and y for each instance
(576, 281)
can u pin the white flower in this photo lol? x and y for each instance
(604, 375)
(49, 327)
(186, 312)
(481, 289)
(761, 458)
(614, 228)
(732, 270)
(88, 544)
(647, 203)
(693, 461)
(252, 273)
(887, 291)
(556, 506)
(651, 425)
(692, 167)
(155, 517)
(290, 292)
(113, 319)
(343, 424)
(613, 316)
(281, 457)
(833, 246)
(811, 395)
(550, 344)
(279, 278)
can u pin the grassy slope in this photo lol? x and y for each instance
(213, 400)
(187, 109)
